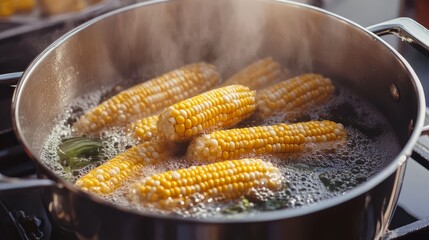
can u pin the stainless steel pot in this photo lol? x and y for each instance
(131, 40)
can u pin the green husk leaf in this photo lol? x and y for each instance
(243, 205)
(78, 152)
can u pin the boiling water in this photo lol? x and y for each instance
(321, 172)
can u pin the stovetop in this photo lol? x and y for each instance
(22, 214)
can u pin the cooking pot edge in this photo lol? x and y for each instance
(266, 216)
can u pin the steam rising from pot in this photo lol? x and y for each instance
(226, 33)
(229, 34)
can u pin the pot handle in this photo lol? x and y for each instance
(9, 184)
(407, 30)
(10, 79)
(416, 227)
(416, 35)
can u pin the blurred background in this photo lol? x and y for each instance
(29, 26)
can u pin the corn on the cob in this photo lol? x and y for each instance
(6, 8)
(260, 73)
(144, 129)
(148, 98)
(295, 94)
(51, 7)
(112, 174)
(9, 7)
(24, 5)
(218, 108)
(227, 180)
(280, 138)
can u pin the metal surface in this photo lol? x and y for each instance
(10, 79)
(10, 184)
(407, 30)
(416, 35)
(425, 130)
(415, 228)
(421, 150)
(93, 221)
(313, 41)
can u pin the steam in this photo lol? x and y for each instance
(157, 38)
(228, 34)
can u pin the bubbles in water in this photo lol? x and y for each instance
(324, 171)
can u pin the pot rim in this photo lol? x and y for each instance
(260, 216)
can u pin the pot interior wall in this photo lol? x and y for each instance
(150, 40)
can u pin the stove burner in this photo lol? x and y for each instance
(23, 216)
(30, 225)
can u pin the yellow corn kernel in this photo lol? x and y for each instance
(261, 73)
(228, 180)
(112, 174)
(294, 95)
(144, 129)
(52, 7)
(149, 97)
(9, 7)
(24, 5)
(280, 138)
(218, 108)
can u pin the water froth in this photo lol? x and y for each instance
(322, 172)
